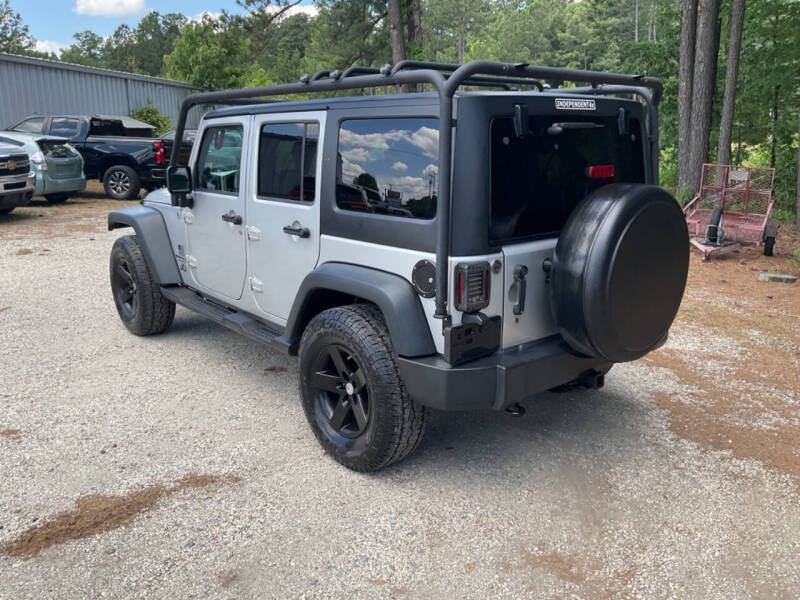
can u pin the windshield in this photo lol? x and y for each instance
(538, 180)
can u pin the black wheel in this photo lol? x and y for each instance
(352, 393)
(121, 182)
(5, 211)
(56, 198)
(769, 245)
(140, 305)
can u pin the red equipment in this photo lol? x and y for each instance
(732, 208)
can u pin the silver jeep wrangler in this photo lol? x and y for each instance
(463, 248)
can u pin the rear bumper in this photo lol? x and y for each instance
(497, 381)
(49, 185)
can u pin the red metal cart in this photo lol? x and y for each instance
(732, 208)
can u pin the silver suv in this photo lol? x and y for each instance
(465, 248)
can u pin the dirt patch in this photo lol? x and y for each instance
(565, 567)
(583, 572)
(275, 370)
(84, 213)
(11, 434)
(24, 251)
(99, 513)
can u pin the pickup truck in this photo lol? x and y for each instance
(16, 178)
(119, 151)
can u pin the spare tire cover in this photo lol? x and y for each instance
(619, 271)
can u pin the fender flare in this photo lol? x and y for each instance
(151, 231)
(394, 296)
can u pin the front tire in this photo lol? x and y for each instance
(769, 245)
(121, 182)
(351, 390)
(141, 307)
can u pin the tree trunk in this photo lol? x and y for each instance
(797, 220)
(635, 20)
(774, 144)
(731, 80)
(396, 34)
(706, 51)
(685, 79)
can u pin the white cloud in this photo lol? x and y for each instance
(356, 155)
(50, 46)
(409, 187)
(430, 170)
(206, 14)
(427, 140)
(350, 170)
(110, 8)
(424, 138)
(400, 166)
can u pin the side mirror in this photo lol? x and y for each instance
(179, 184)
(179, 180)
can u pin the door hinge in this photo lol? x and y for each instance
(253, 233)
(188, 217)
(191, 261)
(256, 284)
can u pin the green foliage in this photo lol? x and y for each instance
(15, 36)
(152, 116)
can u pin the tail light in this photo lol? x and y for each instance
(600, 172)
(472, 286)
(159, 148)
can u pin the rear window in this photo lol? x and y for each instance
(68, 128)
(56, 149)
(538, 180)
(106, 127)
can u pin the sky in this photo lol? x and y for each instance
(53, 22)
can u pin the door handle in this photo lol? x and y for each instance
(520, 273)
(232, 217)
(301, 232)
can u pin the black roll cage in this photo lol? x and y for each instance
(446, 79)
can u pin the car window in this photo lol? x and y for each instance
(287, 161)
(388, 166)
(34, 125)
(68, 128)
(219, 160)
(106, 127)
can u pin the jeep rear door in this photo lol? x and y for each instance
(215, 224)
(283, 223)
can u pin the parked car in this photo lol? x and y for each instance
(16, 179)
(119, 151)
(556, 253)
(58, 166)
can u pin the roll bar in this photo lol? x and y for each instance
(446, 79)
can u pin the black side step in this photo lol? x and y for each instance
(228, 317)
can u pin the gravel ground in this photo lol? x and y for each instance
(590, 495)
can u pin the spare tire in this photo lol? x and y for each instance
(619, 271)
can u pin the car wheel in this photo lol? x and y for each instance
(769, 245)
(5, 211)
(142, 308)
(121, 182)
(57, 198)
(351, 390)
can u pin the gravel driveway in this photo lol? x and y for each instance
(181, 465)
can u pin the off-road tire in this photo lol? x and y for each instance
(769, 245)
(396, 423)
(56, 198)
(121, 182)
(147, 312)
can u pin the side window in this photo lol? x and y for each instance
(219, 159)
(388, 166)
(35, 125)
(287, 161)
(67, 128)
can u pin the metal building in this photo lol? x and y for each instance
(38, 86)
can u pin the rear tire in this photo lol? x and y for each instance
(351, 390)
(121, 182)
(769, 245)
(57, 198)
(141, 307)
(5, 211)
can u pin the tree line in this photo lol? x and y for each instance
(731, 68)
